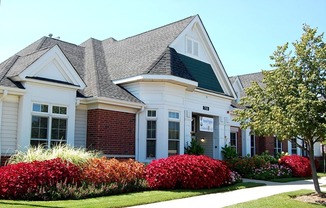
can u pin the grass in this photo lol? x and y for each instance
(284, 200)
(124, 200)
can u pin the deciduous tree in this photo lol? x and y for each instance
(291, 103)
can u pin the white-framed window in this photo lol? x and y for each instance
(174, 133)
(294, 146)
(277, 146)
(192, 46)
(252, 144)
(233, 141)
(151, 134)
(49, 125)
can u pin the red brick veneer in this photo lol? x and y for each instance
(111, 132)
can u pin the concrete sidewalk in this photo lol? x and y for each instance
(237, 196)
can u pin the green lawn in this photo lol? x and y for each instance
(283, 200)
(124, 200)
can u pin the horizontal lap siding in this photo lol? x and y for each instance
(9, 127)
(80, 128)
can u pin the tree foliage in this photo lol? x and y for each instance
(291, 102)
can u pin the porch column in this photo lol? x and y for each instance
(187, 126)
(246, 140)
(220, 136)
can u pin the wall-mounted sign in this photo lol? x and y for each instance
(206, 108)
(206, 124)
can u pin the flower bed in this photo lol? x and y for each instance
(299, 165)
(36, 179)
(187, 171)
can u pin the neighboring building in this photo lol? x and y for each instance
(259, 144)
(142, 97)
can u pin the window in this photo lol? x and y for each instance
(233, 140)
(294, 146)
(192, 47)
(252, 145)
(174, 134)
(277, 146)
(48, 128)
(151, 134)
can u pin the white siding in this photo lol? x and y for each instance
(9, 127)
(81, 128)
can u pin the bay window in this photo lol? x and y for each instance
(174, 134)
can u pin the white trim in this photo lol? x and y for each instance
(191, 85)
(111, 101)
(13, 91)
(55, 53)
(214, 94)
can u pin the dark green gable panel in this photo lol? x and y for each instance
(203, 73)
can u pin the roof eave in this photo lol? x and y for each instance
(189, 84)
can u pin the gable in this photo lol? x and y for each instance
(52, 66)
(195, 43)
(203, 73)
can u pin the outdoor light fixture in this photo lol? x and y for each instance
(202, 139)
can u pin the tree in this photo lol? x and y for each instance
(291, 102)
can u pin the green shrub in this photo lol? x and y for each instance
(194, 148)
(245, 166)
(229, 152)
(267, 158)
(77, 156)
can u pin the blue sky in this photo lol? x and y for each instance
(244, 32)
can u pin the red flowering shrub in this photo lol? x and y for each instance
(186, 171)
(103, 170)
(299, 165)
(22, 180)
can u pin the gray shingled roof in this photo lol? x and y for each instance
(99, 62)
(247, 79)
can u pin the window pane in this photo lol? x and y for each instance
(44, 108)
(174, 130)
(55, 109)
(36, 143)
(151, 148)
(39, 127)
(151, 113)
(174, 115)
(36, 107)
(63, 110)
(173, 148)
(40, 107)
(151, 129)
(59, 110)
(58, 129)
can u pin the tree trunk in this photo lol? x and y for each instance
(313, 167)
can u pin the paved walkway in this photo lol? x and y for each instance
(237, 196)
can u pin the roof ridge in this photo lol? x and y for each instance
(158, 28)
(249, 74)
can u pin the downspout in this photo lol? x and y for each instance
(137, 133)
(5, 93)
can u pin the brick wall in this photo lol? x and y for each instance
(111, 132)
(267, 143)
